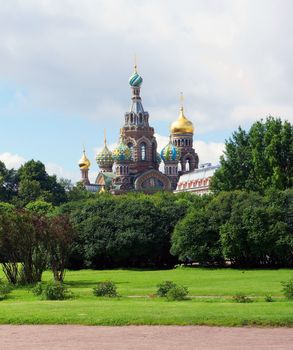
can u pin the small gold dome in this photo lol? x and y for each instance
(84, 162)
(182, 125)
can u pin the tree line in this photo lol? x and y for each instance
(247, 221)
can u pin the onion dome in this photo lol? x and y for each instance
(135, 80)
(105, 157)
(84, 162)
(182, 125)
(122, 152)
(170, 153)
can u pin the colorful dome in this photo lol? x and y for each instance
(170, 153)
(182, 125)
(135, 80)
(105, 158)
(122, 152)
(84, 162)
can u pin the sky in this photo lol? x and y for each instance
(64, 69)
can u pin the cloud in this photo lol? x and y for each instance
(12, 160)
(60, 172)
(75, 57)
(209, 152)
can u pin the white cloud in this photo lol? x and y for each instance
(75, 57)
(209, 152)
(60, 172)
(11, 160)
(14, 161)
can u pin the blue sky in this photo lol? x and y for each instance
(64, 68)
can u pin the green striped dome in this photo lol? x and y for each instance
(135, 80)
(105, 157)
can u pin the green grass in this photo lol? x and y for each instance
(212, 306)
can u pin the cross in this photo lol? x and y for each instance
(181, 99)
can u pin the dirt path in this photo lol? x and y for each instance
(144, 338)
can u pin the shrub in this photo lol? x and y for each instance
(288, 288)
(38, 289)
(55, 291)
(177, 293)
(5, 289)
(241, 298)
(164, 287)
(105, 289)
(268, 299)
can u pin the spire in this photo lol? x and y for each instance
(135, 64)
(181, 102)
(105, 139)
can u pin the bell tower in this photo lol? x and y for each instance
(136, 132)
(182, 131)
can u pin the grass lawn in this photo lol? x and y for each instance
(212, 306)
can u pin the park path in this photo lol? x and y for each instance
(67, 337)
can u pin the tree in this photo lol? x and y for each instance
(9, 239)
(8, 183)
(258, 231)
(61, 235)
(197, 236)
(257, 160)
(35, 184)
(128, 230)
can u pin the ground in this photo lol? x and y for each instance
(211, 300)
(144, 338)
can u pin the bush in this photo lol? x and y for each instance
(5, 289)
(55, 291)
(268, 299)
(38, 289)
(105, 289)
(177, 293)
(241, 298)
(164, 287)
(288, 288)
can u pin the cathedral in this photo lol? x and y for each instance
(134, 164)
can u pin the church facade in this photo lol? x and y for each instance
(134, 165)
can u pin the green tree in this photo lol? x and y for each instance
(8, 183)
(9, 242)
(257, 160)
(35, 184)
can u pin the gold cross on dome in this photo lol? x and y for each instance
(181, 99)
(135, 64)
(105, 139)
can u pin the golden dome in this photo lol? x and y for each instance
(84, 162)
(182, 125)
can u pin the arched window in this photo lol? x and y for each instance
(143, 151)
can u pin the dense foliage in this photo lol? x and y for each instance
(129, 230)
(248, 221)
(259, 159)
(245, 228)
